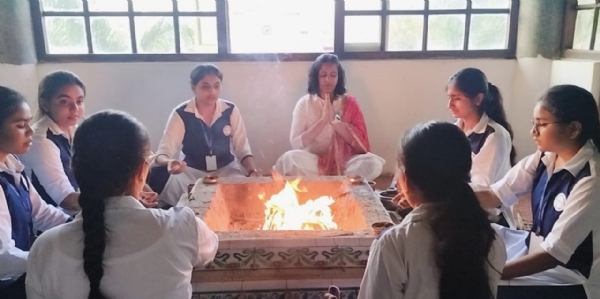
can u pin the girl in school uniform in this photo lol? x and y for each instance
(22, 211)
(560, 257)
(210, 135)
(477, 106)
(445, 248)
(116, 248)
(61, 97)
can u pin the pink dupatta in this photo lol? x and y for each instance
(333, 162)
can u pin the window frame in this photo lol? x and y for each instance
(224, 54)
(571, 8)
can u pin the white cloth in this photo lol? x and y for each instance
(401, 262)
(172, 139)
(177, 183)
(13, 261)
(304, 163)
(43, 158)
(580, 214)
(309, 109)
(516, 248)
(150, 253)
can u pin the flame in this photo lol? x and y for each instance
(283, 211)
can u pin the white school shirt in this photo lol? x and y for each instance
(402, 264)
(492, 161)
(43, 158)
(308, 111)
(150, 253)
(172, 140)
(13, 261)
(580, 215)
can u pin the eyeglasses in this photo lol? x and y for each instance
(536, 127)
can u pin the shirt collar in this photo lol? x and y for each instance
(120, 202)
(419, 213)
(221, 106)
(576, 164)
(55, 129)
(479, 128)
(12, 165)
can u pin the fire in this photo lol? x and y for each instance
(283, 211)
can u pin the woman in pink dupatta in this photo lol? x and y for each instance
(328, 135)
(333, 162)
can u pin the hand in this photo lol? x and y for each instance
(148, 199)
(401, 201)
(327, 116)
(176, 166)
(255, 173)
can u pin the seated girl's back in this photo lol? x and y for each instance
(115, 248)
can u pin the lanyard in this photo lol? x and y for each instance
(207, 136)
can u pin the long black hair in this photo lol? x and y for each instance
(436, 158)
(472, 82)
(108, 150)
(570, 103)
(51, 85)
(313, 74)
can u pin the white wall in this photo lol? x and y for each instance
(585, 74)
(394, 94)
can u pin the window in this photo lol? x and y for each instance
(130, 30)
(582, 37)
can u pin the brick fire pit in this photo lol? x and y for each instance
(255, 263)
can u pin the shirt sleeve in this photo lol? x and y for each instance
(578, 219)
(172, 139)
(386, 272)
(299, 124)
(44, 160)
(239, 139)
(208, 243)
(35, 270)
(13, 261)
(44, 215)
(492, 156)
(518, 181)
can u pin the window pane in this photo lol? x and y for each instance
(406, 4)
(155, 34)
(580, 2)
(405, 33)
(110, 35)
(446, 32)
(198, 35)
(362, 33)
(362, 4)
(447, 4)
(152, 5)
(488, 32)
(197, 5)
(65, 35)
(62, 5)
(108, 5)
(490, 4)
(583, 29)
(275, 26)
(597, 41)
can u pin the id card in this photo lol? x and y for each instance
(535, 243)
(211, 163)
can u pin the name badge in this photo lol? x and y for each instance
(211, 163)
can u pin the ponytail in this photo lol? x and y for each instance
(94, 242)
(596, 138)
(493, 107)
(463, 241)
